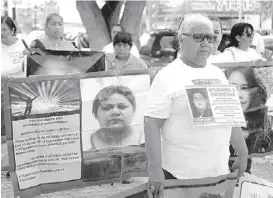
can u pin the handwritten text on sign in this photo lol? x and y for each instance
(47, 150)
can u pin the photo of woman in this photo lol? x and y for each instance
(199, 103)
(253, 97)
(114, 108)
(117, 106)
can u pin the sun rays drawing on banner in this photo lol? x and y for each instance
(44, 97)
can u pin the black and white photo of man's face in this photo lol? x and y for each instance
(199, 101)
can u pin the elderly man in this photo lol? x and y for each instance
(110, 47)
(187, 152)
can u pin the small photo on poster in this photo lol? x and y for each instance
(199, 103)
(113, 111)
(43, 98)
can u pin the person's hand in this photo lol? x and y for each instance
(156, 184)
(240, 164)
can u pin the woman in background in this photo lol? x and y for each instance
(12, 57)
(253, 96)
(122, 59)
(54, 35)
(239, 50)
(12, 50)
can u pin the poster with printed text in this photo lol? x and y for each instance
(65, 131)
(215, 106)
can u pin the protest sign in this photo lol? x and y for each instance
(251, 186)
(50, 127)
(51, 62)
(215, 105)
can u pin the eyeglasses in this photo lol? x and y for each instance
(201, 37)
(244, 87)
(249, 35)
(124, 45)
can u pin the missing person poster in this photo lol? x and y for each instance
(66, 131)
(215, 105)
(113, 118)
(112, 111)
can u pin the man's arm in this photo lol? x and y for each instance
(238, 143)
(153, 144)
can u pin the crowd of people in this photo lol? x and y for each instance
(169, 133)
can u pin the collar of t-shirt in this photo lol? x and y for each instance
(62, 45)
(112, 58)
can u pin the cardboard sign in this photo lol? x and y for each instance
(64, 131)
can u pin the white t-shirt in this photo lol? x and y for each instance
(234, 54)
(110, 49)
(12, 58)
(188, 152)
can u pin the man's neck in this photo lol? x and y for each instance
(192, 64)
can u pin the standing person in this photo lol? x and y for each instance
(12, 57)
(218, 32)
(110, 47)
(12, 50)
(28, 104)
(216, 55)
(238, 49)
(122, 59)
(54, 35)
(202, 151)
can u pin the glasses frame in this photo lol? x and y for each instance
(204, 36)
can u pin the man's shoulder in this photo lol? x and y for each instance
(214, 68)
(171, 71)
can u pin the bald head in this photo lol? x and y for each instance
(193, 20)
